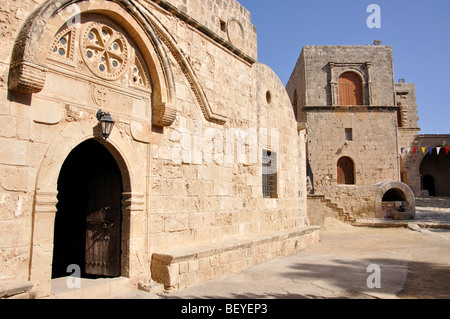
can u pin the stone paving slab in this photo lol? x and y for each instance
(336, 268)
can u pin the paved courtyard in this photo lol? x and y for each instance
(413, 262)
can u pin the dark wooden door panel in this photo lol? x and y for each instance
(103, 222)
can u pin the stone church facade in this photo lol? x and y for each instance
(202, 174)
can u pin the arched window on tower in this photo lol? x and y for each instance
(350, 89)
(345, 171)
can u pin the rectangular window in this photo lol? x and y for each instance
(348, 134)
(269, 174)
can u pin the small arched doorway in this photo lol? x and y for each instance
(345, 171)
(428, 184)
(435, 172)
(350, 89)
(88, 221)
(394, 195)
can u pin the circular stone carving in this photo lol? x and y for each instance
(235, 32)
(105, 50)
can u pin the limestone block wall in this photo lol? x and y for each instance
(373, 147)
(296, 87)
(188, 144)
(227, 19)
(407, 101)
(408, 138)
(18, 155)
(358, 201)
(415, 165)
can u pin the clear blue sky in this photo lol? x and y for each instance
(418, 31)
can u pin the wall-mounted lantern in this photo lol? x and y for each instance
(106, 123)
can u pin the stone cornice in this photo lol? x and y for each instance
(206, 31)
(350, 108)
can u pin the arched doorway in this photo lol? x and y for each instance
(394, 195)
(88, 221)
(345, 171)
(428, 184)
(435, 169)
(350, 89)
(394, 200)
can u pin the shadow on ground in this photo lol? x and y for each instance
(336, 279)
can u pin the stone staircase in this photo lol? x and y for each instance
(343, 215)
(331, 208)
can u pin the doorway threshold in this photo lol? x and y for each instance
(83, 288)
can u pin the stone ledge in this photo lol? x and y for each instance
(11, 288)
(202, 263)
(384, 223)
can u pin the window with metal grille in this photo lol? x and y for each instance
(269, 174)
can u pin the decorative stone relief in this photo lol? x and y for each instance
(139, 76)
(104, 50)
(63, 45)
(236, 33)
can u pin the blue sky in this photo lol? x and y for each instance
(418, 31)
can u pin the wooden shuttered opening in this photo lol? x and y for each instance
(350, 89)
(345, 171)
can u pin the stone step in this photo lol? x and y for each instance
(104, 288)
(198, 264)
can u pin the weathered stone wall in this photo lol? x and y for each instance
(358, 201)
(227, 19)
(372, 139)
(407, 101)
(410, 140)
(186, 180)
(438, 167)
(18, 155)
(373, 148)
(322, 66)
(297, 85)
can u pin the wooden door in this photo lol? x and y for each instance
(103, 219)
(350, 89)
(345, 171)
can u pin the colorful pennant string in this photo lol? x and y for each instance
(425, 150)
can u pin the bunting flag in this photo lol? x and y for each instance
(425, 150)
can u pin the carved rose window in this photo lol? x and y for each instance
(101, 48)
(105, 51)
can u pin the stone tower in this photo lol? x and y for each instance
(345, 97)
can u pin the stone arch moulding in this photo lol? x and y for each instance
(43, 218)
(186, 67)
(28, 67)
(28, 62)
(384, 187)
(363, 70)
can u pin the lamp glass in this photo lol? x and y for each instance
(106, 123)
